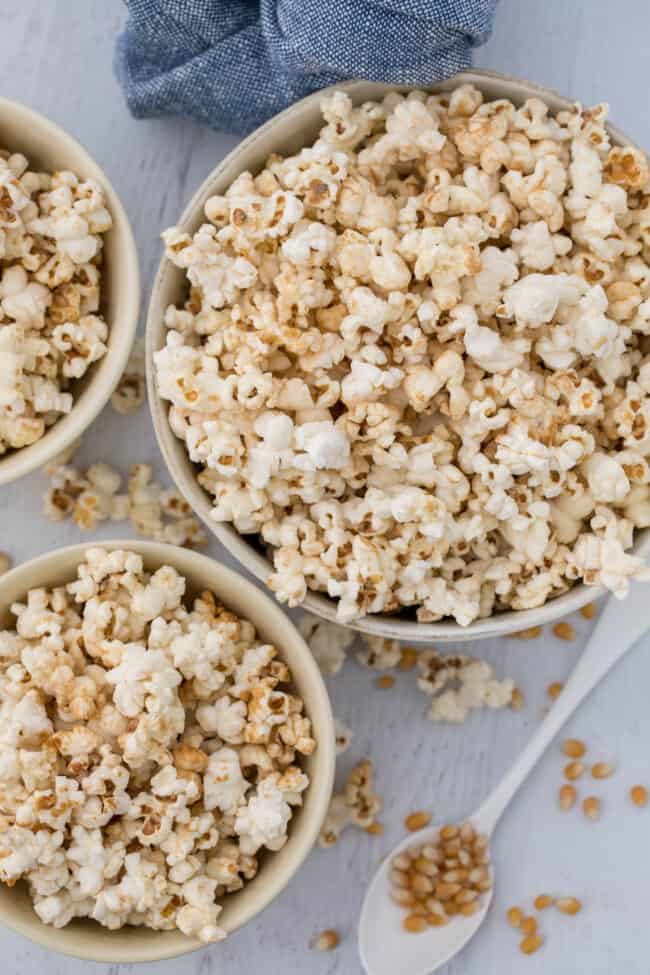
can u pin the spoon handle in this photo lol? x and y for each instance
(619, 627)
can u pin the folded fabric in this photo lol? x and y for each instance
(231, 64)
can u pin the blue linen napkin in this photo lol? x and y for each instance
(232, 64)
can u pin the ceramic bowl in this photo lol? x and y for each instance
(86, 939)
(49, 148)
(287, 133)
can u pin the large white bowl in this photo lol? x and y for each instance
(87, 939)
(287, 133)
(49, 148)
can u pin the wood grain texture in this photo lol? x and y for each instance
(57, 58)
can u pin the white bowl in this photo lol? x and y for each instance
(298, 126)
(87, 939)
(48, 147)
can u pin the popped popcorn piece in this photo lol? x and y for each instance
(343, 736)
(88, 498)
(93, 496)
(327, 641)
(357, 805)
(130, 392)
(379, 653)
(121, 801)
(51, 227)
(224, 786)
(460, 684)
(337, 818)
(412, 359)
(263, 820)
(161, 513)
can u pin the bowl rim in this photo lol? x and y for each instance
(181, 468)
(16, 463)
(319, 789)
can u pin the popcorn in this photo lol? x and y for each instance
(343, 736)
(359, 795)
(412, 359)
(130, 392)
(121, 801)
(224, 786)
(606, 478)
(338, 817)
(357, 805)
(379, 653)
(459, 685)
(327, 641)
(263, 820)
(51, 228)
(93, 497)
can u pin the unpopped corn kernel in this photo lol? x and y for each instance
(327, 940)
(574, 748)
(564, 631)
(532, 633)
(542, 901)
(515, 917)
(443, 878)
(385, 682)
(417, 820)
(568, 905)
(528, 925)
(589, 611)
(567, 797)
(531, 943)
(591, 807)
(517, 701)
(639, 795)
(408, 660)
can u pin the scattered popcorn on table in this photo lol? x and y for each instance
(357, 805)
(149, 749)
(131, 390)
(51, 227)
(94, 496)
(161, 513)
(379, 653)
(460, 684)
(327, 642)
(413, 356)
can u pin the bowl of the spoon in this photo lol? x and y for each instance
(386, 948)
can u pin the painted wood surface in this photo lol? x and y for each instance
(56, 56)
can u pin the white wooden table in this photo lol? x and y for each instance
(57, 57)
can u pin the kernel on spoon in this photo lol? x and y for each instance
(385, 947)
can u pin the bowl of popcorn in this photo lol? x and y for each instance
(398, 356)
(164, 768)
(69, 290)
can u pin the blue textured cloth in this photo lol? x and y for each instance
(233, 63)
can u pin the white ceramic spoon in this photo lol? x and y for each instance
(384, 946)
